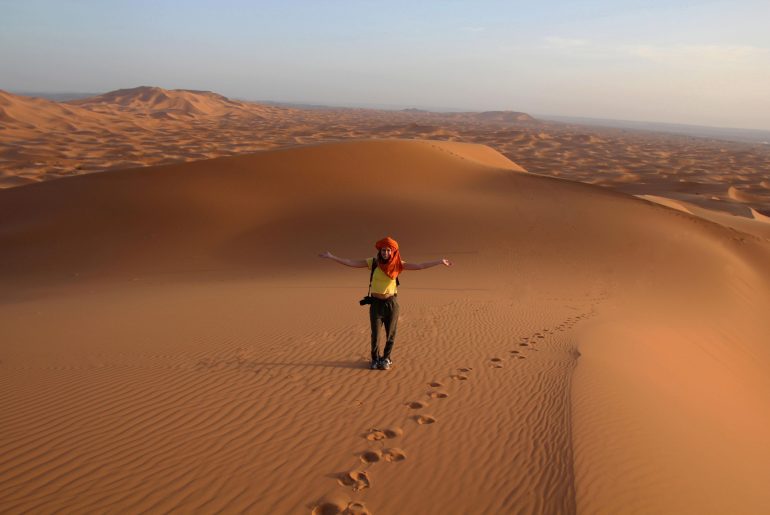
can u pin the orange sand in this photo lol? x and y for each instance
(171, 342)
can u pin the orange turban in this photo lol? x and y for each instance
(393, 267)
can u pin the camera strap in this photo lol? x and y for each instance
(371, 275)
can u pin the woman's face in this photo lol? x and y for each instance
(386, 253)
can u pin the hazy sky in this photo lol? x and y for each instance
(699, 62)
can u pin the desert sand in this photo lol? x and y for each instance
(42, 140)
(172, 342)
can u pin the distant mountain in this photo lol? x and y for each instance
(499, 117)
(141, 108)
(504, 116)
(176, 103)
(698, 131)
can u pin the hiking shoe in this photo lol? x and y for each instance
(375, 364)
(384, 364)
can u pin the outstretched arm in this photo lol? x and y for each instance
(427, 264)
(355, 263)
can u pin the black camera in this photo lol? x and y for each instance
(366, 300)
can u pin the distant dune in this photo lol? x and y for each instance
(172, 342)
(505, 116)
(698, 131)
(20, 113)
(147, 100)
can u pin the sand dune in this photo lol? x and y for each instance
(759, 216)
(743, 196)
(42, 140)
(494, 116)
(149, 126)
(153, 101)
(172, 342)
(753, 223)
(19, 112)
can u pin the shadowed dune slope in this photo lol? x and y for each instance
(250, 210)
(238, 210)
(588, 352)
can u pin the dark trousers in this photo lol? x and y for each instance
(383, 312)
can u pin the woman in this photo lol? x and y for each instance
(383, 309)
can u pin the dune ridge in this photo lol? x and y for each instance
(173, 343)
(755, 223)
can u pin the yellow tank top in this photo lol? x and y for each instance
(381, 283)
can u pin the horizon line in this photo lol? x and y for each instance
(308, 104)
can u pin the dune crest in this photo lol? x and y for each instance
(759, 216)
(742, 196)
(755, 224)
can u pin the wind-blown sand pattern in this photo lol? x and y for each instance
(172, 342)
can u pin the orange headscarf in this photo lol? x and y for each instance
(393, 267)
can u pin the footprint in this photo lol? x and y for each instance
(424, 419)
(393, 455)
(331, 505)
(515, 352)
(496, 360)
(459, 377)
(375, 434)
(356, 508)
(520, 357)
(371, 456)
(438, 395)
(435, 384)
(524, 344)
(464, 370)
(356, 479)
(417, 404)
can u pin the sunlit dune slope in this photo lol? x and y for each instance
(755, 224)
(19, 113)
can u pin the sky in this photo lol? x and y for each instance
(676, 61)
